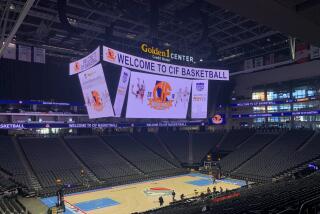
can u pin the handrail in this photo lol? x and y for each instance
(306, 202)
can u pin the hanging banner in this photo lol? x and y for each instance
(269, 59)
(39, 55)
(24, 53)
(258, 62)
(122, 91)
(199, 99)
(141, 64)
(248, 64)
(85, 63)
(314, 52)
(10, 52)
(156, 96)
(302, 53)
(95, 93)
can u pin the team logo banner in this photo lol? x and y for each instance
(130, 61)
(122, 91)
(155, 96)
(217, 119)
(85, 63)
(95, 93)
(199, 99)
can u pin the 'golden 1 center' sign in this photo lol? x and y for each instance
(165, 55)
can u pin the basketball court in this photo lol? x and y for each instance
(140, 196)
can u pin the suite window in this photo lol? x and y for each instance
(311, 92)
(272, 108)
(284, 95)
(299, 93)
(284, 107)
(258, 96)
(298, 106)
(271, 95)
(259, 120)
(258, 109)
(274, 119)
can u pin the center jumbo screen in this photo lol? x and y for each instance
(154, 96)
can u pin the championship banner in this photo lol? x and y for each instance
(10, 52)
(85, 63)
(156, 96)
(121, 91)
(141, 64)
(199, 99)
(314, 52)
(258, 62)
(248, 64)
(24, 53)
(302, 53)
(39, 55)
(95, 93)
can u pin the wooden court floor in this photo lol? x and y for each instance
(143, 196)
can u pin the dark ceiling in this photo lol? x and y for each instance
(194, 27)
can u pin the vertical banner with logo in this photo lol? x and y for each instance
(154, 96)
(85, 63)
(199, 99)
(39, 55)
(96, 93)
(10, 52)
(121, 91)
(24, 53)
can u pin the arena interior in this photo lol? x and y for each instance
(159, 107)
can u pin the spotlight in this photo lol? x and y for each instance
(12, 7)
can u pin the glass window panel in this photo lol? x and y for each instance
(258, 95)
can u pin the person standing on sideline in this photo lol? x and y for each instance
(161, 201)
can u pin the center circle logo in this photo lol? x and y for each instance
(158, 191)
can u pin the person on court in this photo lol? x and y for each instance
(182, 196)
(161, 201)
(173, 195)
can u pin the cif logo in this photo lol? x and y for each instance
(111, 55)
(77, 66)
(200, 86)
(160, 95)
(217, 119)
